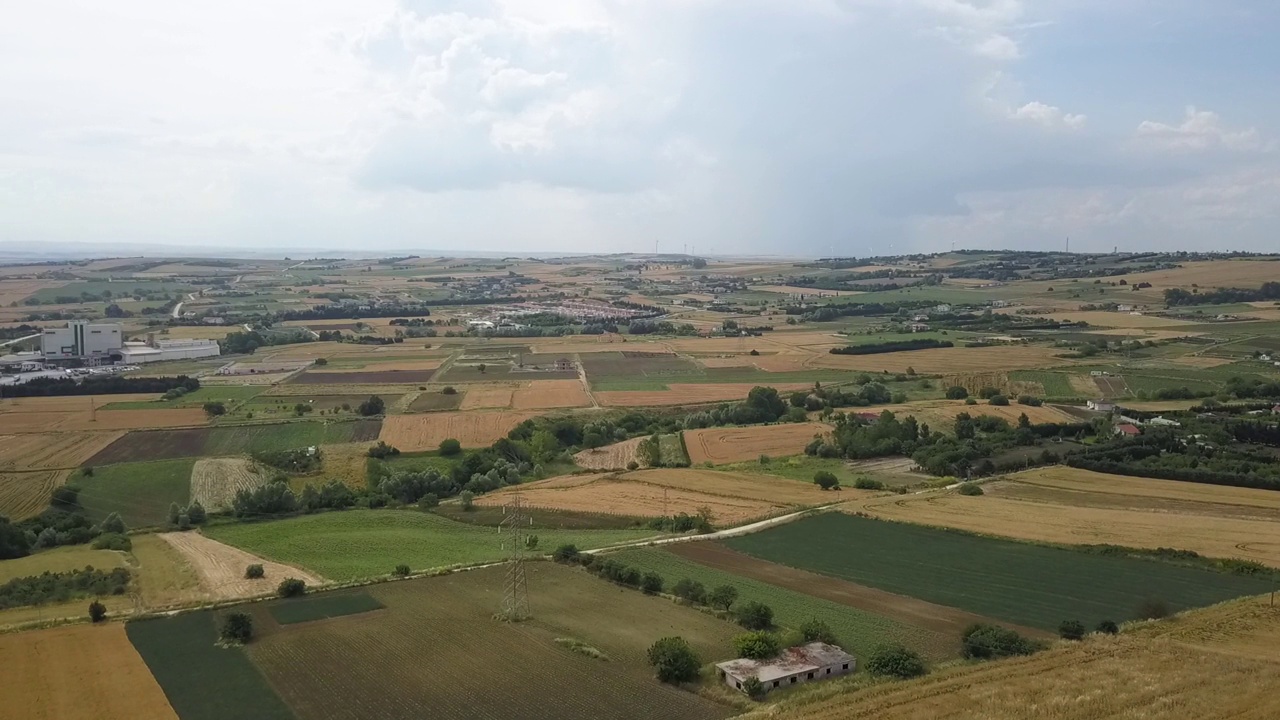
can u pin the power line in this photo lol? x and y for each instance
(515, 597)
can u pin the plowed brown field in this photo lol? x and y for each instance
(729, 445)
(221, 567)
(412, 433)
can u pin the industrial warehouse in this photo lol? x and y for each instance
(92, 344)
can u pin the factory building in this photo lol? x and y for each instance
(153, 350)
(94, 343)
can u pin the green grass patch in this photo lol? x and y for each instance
(201, 680)
(1017, 582)
(227, 394)
(541, 519)
(140, 491)
(800, 468)
(1056, 385)
(239, 439)
(364, 543)
(322, 606)
(858, 631)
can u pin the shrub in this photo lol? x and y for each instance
(970, 489)
(214, 409)
(449, 390)
(1071, 630)
(986, 642)
(998, 400)
(759, 645)
(970, 401)
(895, 661)
(674, 660)
(825, 480)
(1152, 609)
(450, 447)
(112, 541)
(565, 553)
(428, 501)
(866, 483)
(987, 393)
(1108, 627)
(373, 406)
(254, 572)
(765, 459)
(196, 513)
(815, 630)
(321, 362)
(467, 500)
(723, 597)
(184, 522)
(755, 615)
(291, 587)
(401, 570)
(651, 583)
(87, 472)
(691, 591)
(97, 612)
(237, 628)
(383, 450)
(1030, 400)
(955, 392)
(753, 688)
(633, 465)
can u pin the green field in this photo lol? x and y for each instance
(227, 394)
(1055, 384)
(365, 543)
(858, 631)
(201, 680)
(227, 440)
(322, 606)
(1017, 582)
(121, 289)
(141, 492)
(800, 468)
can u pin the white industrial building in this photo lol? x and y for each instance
(136, 353)
(103, 343)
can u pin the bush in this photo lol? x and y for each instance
(254, 572)
(401, 570)
(814, 630)
(467, 500)
(449, 390)
(987, 393)
(113, 541)
(383, 450)
(674, 660)
(998, 400)
(866, 483)
(970, 401)
(753, 688)
(428, 501)
(633, 465)
(755, 615)
(1108, 627)
(196, 513)
(1152, 609)
(723, 597)
(1030, 400)
(955, 392)
(985, 642)
(825, 480)
(651, 583)
(895, 661)
(97, 612)
(237, 628)
(690, 591)
(450, 447)
(565, 553)
(765, 459)
(373, 406)
(291, 587)
(1071, 630)
(759, 645)
(214, 409)
(970, 489)
(321, 362)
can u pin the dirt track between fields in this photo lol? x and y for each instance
(221, 567)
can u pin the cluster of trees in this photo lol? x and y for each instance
(60, 587)
(1221, 296)
(892, 346)
(1161, 453)
(867, 393)
(98, 385)
(649, 452)
(300, 460)
(991, 642)
(660, 327)
(275, 499)
(62, 523)
(763, 405)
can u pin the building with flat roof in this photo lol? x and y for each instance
(153, 350)
(83, 340)
(806, 663)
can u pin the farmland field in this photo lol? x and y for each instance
(60, 559)
(482, 398)
(945, 360)
(78, 672)
(690, 394)
(549, 394)
(202, 680)
(232, 440)
(412, 433)
(26, 494)
(372, 377)
(390, 665)
(50, 451)
(730, 445)
(857, 630)
(323, 606)
(609, 457)
(140, 492)
(215, 481)
(1017, 582)
(364, 543)
(435, 401)
(941, 414)
(220, 568)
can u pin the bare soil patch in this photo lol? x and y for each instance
(729, 445)
(221, 567)
(487, 398)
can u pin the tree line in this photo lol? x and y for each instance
(98, 385)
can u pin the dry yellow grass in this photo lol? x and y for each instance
(482, 398)
(1209, 664)
(750, 486)
(1103, 319)
(78, 672)
(609, 457)
(164, 577)
(1212, 273)
(51, 450)
(220, 568)
(944, 360)
(974, 382)
(413, 433)
(549, 394)
(729, 445)
(35, 421)
(15, 291)
(215, 481)
(26, 494)
(941, 413)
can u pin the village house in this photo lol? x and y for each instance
(806, 663)
(1127, 430)
(1101, 405)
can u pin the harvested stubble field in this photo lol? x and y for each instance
(687, 394)
(729, 445)
(488, 398)
(52, 450)
(974, 382)
(413, 433)
(1217, 663)
(220, 568)
(78, 672)
(36, 421)
(609, 457)
(26, 494)
(548, 394)
(766, 488)
(941, 414)
(944, 360)
(435, 401)
(613, 495)
(433, 649)
(215, 481)
(1033, 585)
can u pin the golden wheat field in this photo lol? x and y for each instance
(215, 481)
(413, 433)
(940, 414)
(609, 457)
(26, 494)
(47, 451)
(765, 488)
(550, 394)
(721, 446)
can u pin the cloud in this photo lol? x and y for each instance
(1047, 115)
(1200, 130)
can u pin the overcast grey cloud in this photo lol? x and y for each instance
(743, 126)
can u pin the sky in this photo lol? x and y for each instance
(718, 127)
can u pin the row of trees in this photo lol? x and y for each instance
(98, 385)
(51, 587)
(892, 346)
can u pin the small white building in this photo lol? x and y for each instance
(806, 663)
(1101, 405)
(1163, 421)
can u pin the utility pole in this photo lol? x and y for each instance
(515, 598)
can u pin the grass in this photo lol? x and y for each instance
(540, 518)
(59, 559)
(238, 439)
(202, 680)
(671, 450)
(1028, 584)
(364, 543)
(858, 631)
(1055, 384)
(797, 467)
(141, 491)
(322, 606)
(228, 394)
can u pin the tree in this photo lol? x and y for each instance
(759, 645)
(254, 572)
(825, 480)
(955, 392)
(196, 513)
(1108, 627)
(998, 400)
(321, 362)
(214, 409)
(651, 583)
(13, 541)
(66, 497)
(428, 501)
(723, 597)
(815, 630)
(566, 553)
(291, 587)
(237, 628)
(373, 406)
(753, 688)
(401, 570)
(1024, 421)
(113, 524)
(690, 591)
(698, 263)
(895, 661)
(970, 489)
(449, 390)
(450, 447)
(674, 660)
(97, 612)
(1071, 630)
(755, 615)
(175, 512)
(482, 367)
(466, 500)
(984, 642)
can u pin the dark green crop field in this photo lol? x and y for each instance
(1017, 582)
(320, 607)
